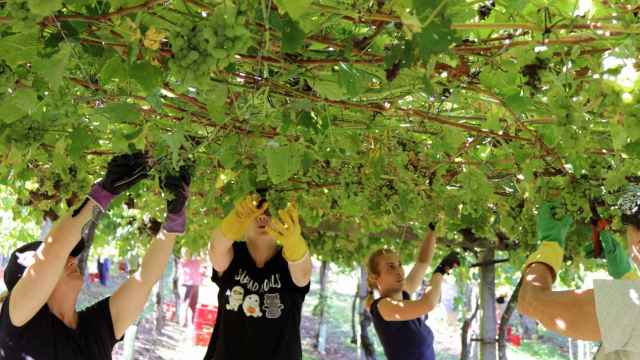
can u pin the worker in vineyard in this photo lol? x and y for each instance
(262, 285)
(39, 320)
(608, 313)
(398, 320)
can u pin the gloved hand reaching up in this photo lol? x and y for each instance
(552, 233)
(448, 263)
(177, 187)
(123, 172)
(235, 224)
(286, 229)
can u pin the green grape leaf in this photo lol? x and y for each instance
(20, 104)
(81, 140)
(216, 102)
(295, 8)
(122, 112)
(44, 8)
(114, 69)
(53, 69)
(20, 48)
(148, 76)
(353, 81)
(117, 4)
(436, 38)
(292, 36)
(282, 162)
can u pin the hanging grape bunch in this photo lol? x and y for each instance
(209, 44)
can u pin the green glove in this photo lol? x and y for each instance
(618, 263)
(551, 234)
(550, 229)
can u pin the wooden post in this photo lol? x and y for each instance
(320, 309)
(488, 305)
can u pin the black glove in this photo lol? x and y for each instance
(124, 171)
(448, 263)
(178, 186)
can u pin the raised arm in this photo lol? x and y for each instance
(38, 282)
(129, 300)
(423, 261)
(286, 229)
(127, 303)
(232, 229)
(403, 310)
(396, 310)
(220, 251)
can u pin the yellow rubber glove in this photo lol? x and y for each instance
(286, 229)
(235, 224)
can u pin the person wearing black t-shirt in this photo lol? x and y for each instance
(262, 285)
(38, 318)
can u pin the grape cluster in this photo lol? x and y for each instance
(484, 11)
(209, 44)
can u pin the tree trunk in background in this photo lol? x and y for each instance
(465, 353)
(529, 327)
(320, 309)
(368, 350)
(354, 306)
(488, 304)
(175, 285)
(504, 322)
(159, 307)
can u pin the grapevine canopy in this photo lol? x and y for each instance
(377, 116)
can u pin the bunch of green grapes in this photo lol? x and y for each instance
(209, 44)
(21, 16)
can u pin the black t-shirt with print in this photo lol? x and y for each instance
(47, 337)
(259, 310)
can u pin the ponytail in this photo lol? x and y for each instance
(371, 285)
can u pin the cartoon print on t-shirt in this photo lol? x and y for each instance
(235, 298)
(273, 306)
(251, 306)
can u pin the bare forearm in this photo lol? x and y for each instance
(403, 310)
(423, 261)
(129, 300)
(220, 251)
(425, 255)
(433, 293)
(38, 282)
(301, 271)
(155, 260)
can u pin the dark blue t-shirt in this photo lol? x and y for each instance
(406, 340)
